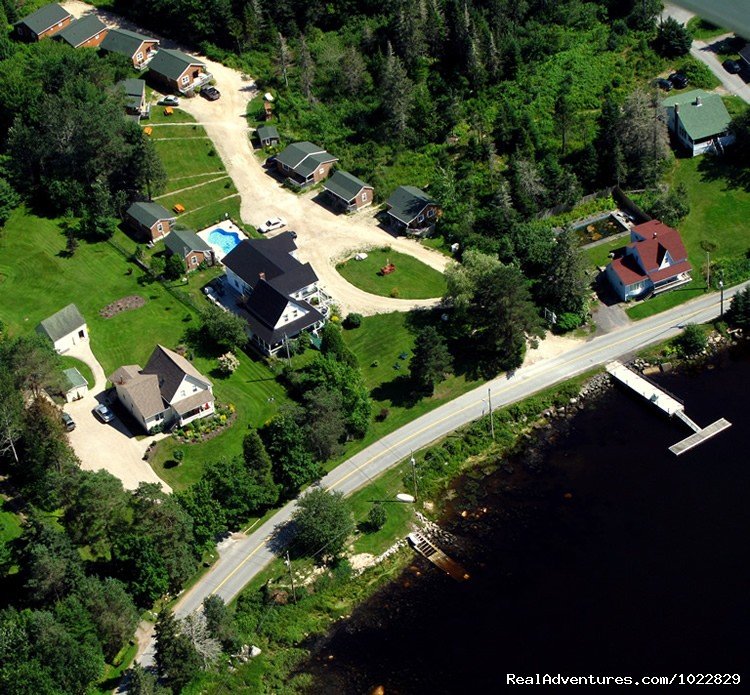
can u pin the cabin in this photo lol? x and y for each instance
(135, 98)
(177, 71)
(46, 21)
(168, 392)
(348, 193)
(268, 136)
(190, 248)
(75, 387)
(65, 328)
(149, 220)
(87, 32)
(412, 211)
(139, 49)
(699, 121)
(653, 262)
(304, 164)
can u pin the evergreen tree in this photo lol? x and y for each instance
(258, 462)
(566, 287)
(431, 359)
(397, 95)
(673, 39)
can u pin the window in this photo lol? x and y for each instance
(81, 334)
(193, 260)
(139, 56)
(431, 212)
(364, 196)
(420, 218)
(185, 79)
(96, 37)
(159, 227)
(321, 170)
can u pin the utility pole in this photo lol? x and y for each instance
(291, 576)
(288, 357)
(721, 289)
(708, 269)
(413, 462)
(492, 417)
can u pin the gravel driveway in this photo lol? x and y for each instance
(323, 237)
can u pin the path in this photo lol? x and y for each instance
(107, 446)
(322, 236)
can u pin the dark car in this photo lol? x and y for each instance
(210, 93)
(678, 80)
(732, 66)
(661, 83)
(68, 422)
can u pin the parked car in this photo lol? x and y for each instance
(104, 413)
(270, 225)
(68, 422)
(169, 100)
(210, 93)
(678, 80)
(661, 83)
(732, 66)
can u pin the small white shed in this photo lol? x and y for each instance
(65, 329)
(77, 386)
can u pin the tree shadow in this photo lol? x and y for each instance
(735, 176)
(400, 392)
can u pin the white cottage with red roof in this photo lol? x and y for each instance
(654, 261)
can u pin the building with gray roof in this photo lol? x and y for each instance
(347, 192)
(65, 328)
(46, 21)
(304, 164)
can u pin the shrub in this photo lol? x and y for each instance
(395, 293)
(691, 341)
(568, 322)
(383, 414)
(376, 518)
(353, 321)
(228, 363)
(178, 455)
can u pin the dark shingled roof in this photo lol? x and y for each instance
(65, 321)
(183, 241)
(272, 258)
(44, 18)
(745, 53)
(123, 42)
(171, 368)
(345, 185)
(81, 30)
(407, 202)
(171, 63)
(264, 308)
(148, 213)
(266, 132)
(134, 92)
(304, 157)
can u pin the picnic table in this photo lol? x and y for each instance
(178, 208)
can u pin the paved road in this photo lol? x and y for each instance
(244, 558)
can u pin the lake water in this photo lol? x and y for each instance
(605, 554)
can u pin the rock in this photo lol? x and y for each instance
(254, 651)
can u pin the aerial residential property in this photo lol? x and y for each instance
(189, 248)
(65, 328)
(268, 135)
(46, 21)
(177, 71)
(149, 220)
(138, 48)
(168, 391)
(135, 98)
(412, 211)
(347, 192)
(699, 121)
(304, 164)
(653, 262)
(86, 32)
(277, 293)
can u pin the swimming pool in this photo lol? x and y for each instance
(225, 240)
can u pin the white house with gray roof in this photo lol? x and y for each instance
(347, 192)
(168, 391)
(65, 328)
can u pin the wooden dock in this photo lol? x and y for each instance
(437, 557)
(669, 404)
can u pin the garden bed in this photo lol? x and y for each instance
(129, 303)
(207, 428)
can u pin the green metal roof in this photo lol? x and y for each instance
(293, 155)
(81, 30)
(267, 132)
(171, 63)
(183, 241)
(148, 214)
(701, 119)
(345, 185)
(406, 202)
(124, 42)
(44, 18)
(65, 321)
(75, 378)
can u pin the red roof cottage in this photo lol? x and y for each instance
(654, 261)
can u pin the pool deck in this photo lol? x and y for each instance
(227, 226)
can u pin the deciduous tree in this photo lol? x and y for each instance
(322, 523)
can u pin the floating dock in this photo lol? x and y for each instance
(437, 557)
(669, 404)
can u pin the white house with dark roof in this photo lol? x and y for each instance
(168, 391)
(699, 121)
(277, 295)
(65, 328)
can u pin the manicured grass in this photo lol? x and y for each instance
(412, 279)
(734, 105)
(10, 525)
(71, 362)
(438, 243)
(701, 29)
(200, 196)
(599, 255)
(719, 210)
(216, 212)
(178, 131)
(157, 117)
(180, 182)
(188, 157)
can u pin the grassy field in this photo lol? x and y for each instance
(599, 255)
(719, 211)
(180, 182)
(701, 29)
(10, 525)
(412, 279)
(188, 157)
(199, 196)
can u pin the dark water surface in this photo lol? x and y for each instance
(645, 570)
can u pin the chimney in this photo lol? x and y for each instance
(655, 235)
(697, 101)
(262, 276)
(677, 108)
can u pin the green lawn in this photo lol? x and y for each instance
(719, 211)
(200, 196)
(188, 157)
(200, 218)
(180, 182)
(701, 29)
(157, 117)
(71, 362)
(599, 255)
(10, 524)
(412, 279)
(178, 131)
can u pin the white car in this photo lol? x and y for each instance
(270, 225)
(169, 100)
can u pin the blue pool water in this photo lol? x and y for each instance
(226, 241)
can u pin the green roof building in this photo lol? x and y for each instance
(150, 220)
(268, 135)
(177, 70)
(699, 121)
(304, 163)
(412, 210)
(86, 31)
(46, 21)
(347, 191)
(139, 48)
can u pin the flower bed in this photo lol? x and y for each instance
(207, 428)
(128, 303)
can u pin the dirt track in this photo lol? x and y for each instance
(323, 237)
